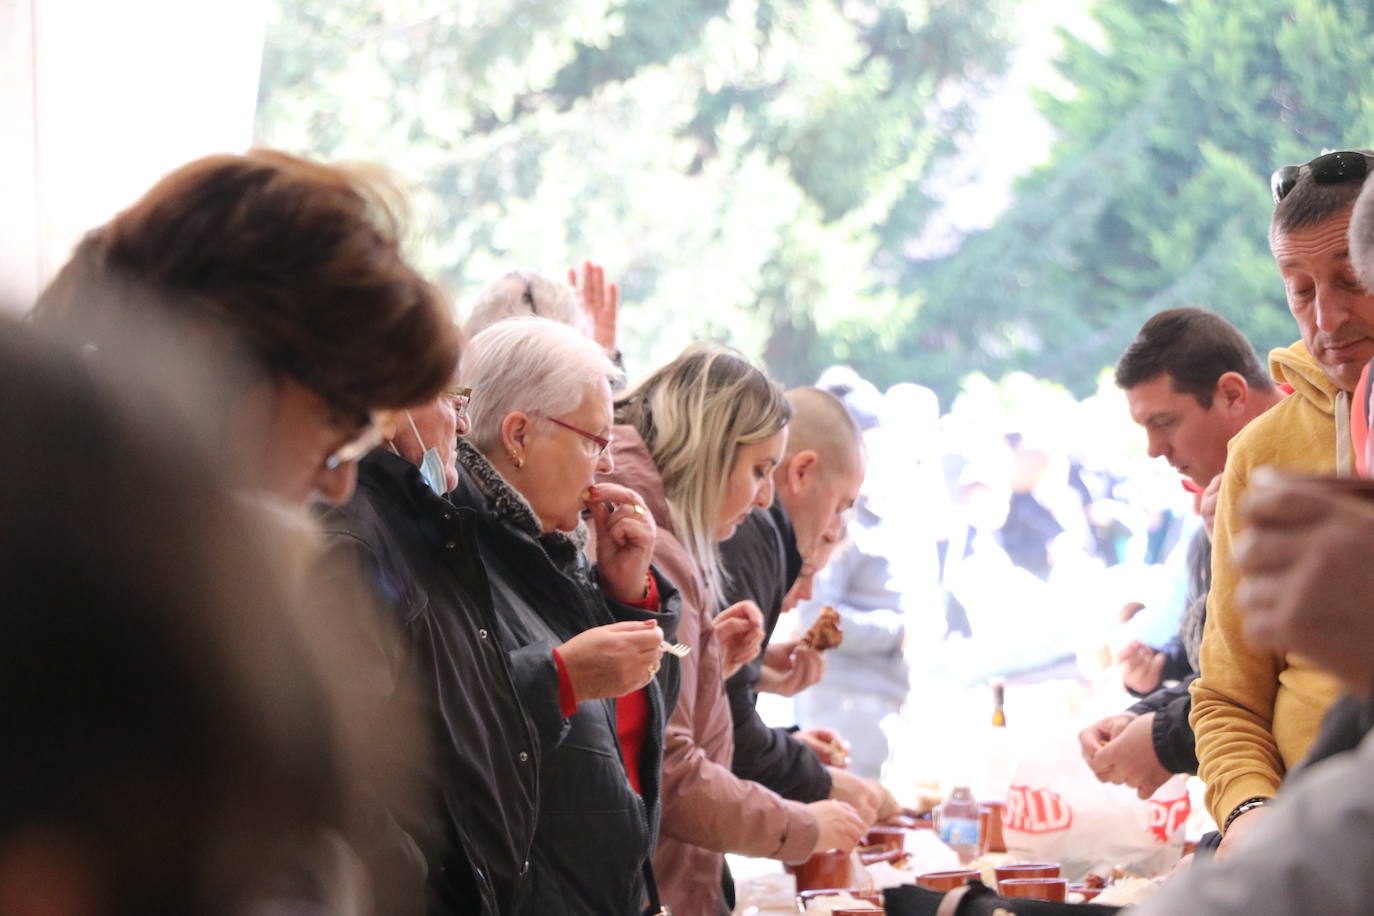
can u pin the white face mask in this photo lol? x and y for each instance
(431, 465)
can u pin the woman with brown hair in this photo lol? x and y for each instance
(265, 299)
(274, 286)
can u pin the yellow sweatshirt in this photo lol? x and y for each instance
(1255, 714)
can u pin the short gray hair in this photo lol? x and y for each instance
(532, 365)
(1362, 236)
(520, 294)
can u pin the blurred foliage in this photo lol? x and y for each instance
(730, 161)
(1156, 194)
(769, 172)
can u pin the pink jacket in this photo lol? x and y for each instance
(707, 810)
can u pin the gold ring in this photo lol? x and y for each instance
(653, 669)
(638, 510)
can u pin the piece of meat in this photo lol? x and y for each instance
(826, 632)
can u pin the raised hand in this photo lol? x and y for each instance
(601, 301)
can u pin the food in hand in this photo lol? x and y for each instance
(836, 754)
(826, 632)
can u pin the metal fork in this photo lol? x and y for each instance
(679, 649)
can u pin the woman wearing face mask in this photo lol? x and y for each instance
(699, 439)
(584, 643)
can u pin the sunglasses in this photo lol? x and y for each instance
(1330, 168)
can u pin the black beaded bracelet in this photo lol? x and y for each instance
(1258, 801)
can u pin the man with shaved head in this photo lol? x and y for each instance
(816, 483)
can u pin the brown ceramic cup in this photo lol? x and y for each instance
(830, 868)
(1027, 870)
(946, 880)
(1034, 888)
(885, 838)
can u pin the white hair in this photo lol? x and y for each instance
(520, 294)
(1362, 236)
(532, 365)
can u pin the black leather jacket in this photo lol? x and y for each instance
(762, 562)
(594, 833)
(480, 782)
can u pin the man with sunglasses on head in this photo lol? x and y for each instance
(1256, 712)
(1307, 588)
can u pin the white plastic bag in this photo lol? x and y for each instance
(1057, 811)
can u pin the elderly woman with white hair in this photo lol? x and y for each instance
(700, 439)
(583, 643)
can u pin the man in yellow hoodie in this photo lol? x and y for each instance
(1255, 713)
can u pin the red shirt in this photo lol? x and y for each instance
(631, 710)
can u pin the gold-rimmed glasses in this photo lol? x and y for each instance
(461, 398)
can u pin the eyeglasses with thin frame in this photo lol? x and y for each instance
(602, 443)
(461, 398)
(1328, 168)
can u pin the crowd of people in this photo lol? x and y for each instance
(321, 602)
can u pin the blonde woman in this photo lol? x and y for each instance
(698, 441)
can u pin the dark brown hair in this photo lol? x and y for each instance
(299, 261)
(1195, 347)
(160, 714)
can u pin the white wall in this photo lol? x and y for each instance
(98, 99)
(18, 199)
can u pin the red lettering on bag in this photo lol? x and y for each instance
(1168, 815)
(1036, 811)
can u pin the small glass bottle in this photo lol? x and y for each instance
(999, 715)
(959, 823)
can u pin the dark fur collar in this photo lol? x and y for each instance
(511, 508)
